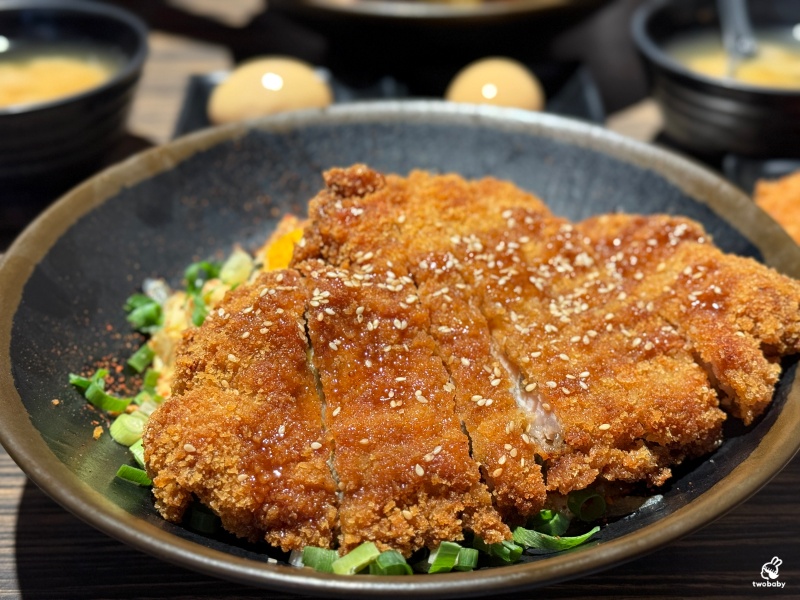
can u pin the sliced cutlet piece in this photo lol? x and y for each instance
(488, 397)
(408, 226)
(243, 431)
(738, 316)
(405, 474)
(592, 355)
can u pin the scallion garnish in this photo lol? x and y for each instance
(390, 562)
(541, 541)
(137, 449)
(444, 558)
(467, 559)
(586, 504)
(506, 552)
(320, 559)
(356, 560)
(144, 313)
(134, 475)
(94, 390)
(203, 519)
(150, 380)
(127, 428)
(549, 522)
(141, 359)
(198, 273)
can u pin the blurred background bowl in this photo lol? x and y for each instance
(59, 142)
(713, 116)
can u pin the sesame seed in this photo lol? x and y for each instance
(530, 387)
(189, 448)
(407, 515)
(497, 472)
(526, 438)
(247, 310)
(399, 378)
(419, 470)
(316, 445)
(241, 477)
(495, 382)
(245, 335)
(281, 429)
(513, 453)
(465, 361)
(565, 391)
(502, 460)
(551, 384)
(336, 410)
(363, 441)
(604, 427)
(232, 358)
(563, 357)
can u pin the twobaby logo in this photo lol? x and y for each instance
(769, 572)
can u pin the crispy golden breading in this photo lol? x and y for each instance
(393, 224)
(623, 331)
(781, 199)
(402, 460)
(469, 353)
(243, 430)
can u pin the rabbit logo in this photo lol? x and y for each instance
(770, 569)
(769, 572)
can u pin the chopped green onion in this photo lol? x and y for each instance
(203, 519)
(105, 401)
(506, 552)
(150, 380)
(136, 301)
(356, 560)
(198, 273)
(137, 449)
(390, 562)
(127, 428)
(149, 404)
(200, 310)
(549, 522)
(141, 359)
(444, 558)
(237, 268)
(79, 382)
(147, 317)
(542, 541)
(586, 504)
(467, 559)
(134, 475)
(320, 559)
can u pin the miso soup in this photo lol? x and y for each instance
(36, 72)
(777, 63)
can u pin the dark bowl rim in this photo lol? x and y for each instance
(424, 11)
(25, 445)
(654, 54)
(132, 66)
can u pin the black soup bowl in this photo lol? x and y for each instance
(57, 143)
(714, 116)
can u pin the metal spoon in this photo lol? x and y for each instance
(737, 33)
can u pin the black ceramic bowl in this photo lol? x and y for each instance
(57, 143)
(710, 116)
(62, 288)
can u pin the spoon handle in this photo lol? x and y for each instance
(737, 31)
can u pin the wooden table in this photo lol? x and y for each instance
(45, 552)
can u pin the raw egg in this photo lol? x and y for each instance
(497, 80)
(266, 86)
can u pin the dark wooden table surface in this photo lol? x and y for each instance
(45, 552)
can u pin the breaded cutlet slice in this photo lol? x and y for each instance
(398, 225)
(611, 350)
(243, 430)
(738, 316)
(402, 461)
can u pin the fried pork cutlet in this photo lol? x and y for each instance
(243, 430)
(402, 460)
(619, 334)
